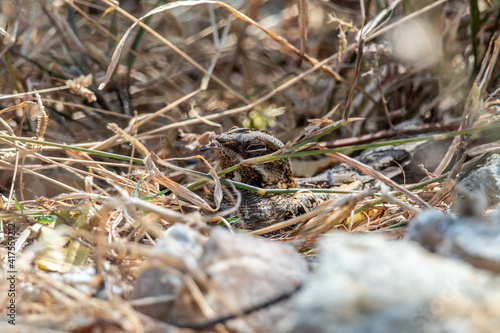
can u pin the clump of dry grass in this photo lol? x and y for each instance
(187, 68)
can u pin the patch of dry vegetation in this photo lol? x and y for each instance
(79, 178)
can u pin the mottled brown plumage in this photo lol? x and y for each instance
(240, 144)
(257, 211)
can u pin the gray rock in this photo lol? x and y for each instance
(159, 282)
(246, 271)
(485, 180)
(365, 283)
(475, 240)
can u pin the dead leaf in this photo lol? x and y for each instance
(57, 251)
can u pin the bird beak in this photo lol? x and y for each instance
(211, 145)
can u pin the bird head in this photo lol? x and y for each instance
(239, 144)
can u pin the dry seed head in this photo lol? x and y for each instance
(79, 86)
(8, 157)
(134, 142)
(41, 126)
(42, 119)
(118, 131)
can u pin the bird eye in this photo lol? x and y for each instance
(254, 148)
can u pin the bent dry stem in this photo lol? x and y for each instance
(263, 159)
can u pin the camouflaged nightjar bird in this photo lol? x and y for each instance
(256, 210)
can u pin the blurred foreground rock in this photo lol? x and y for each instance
(468, 234)
(245, 270)
(485, 180)
(365, 283)
(475, 240)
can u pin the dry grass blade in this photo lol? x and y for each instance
(390, 198)
(26, 151)
(11, 193)
(78, 86)
(377, 175)
(331, 216)
(312, 130)
(357, 66)
(217, 190)
(371, 27)
(106, 174)
(473, 105)
(472, 112)
(482, 149)
(303, 6)
(98, 171)
(69, 298)
(324, 223)
(290, 222)
(169, 214)
(219, 43)
(15, 107)
(412, 16)
(178, 189)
